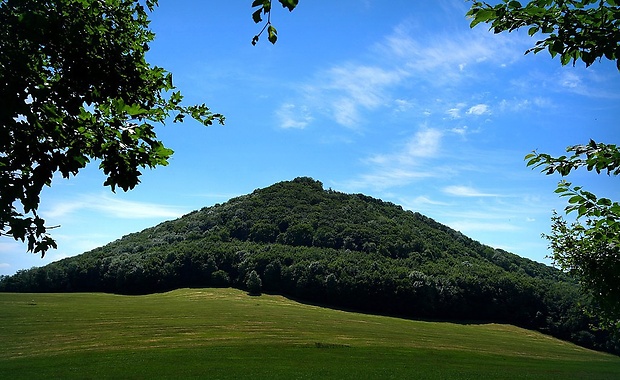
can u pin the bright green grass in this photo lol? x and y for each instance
(225, 334)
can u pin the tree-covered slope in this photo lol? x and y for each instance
(343, 250)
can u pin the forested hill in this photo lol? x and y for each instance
(342, 250)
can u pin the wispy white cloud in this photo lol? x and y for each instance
(466, 191)
(345, 92)
(214, 197)
(386, 177)
(585, 83)
(69, 245)
(452, 55)
(471, 226)
(7, 244)
(363, 84)
(523, 104)
(5, 265)
(110, 206)
(570, 80)
(389, 177)
(423, 144)
(479, 109)
(403, 166)
(590, 83)
(463, 131)
(454, 113)
(292, 116)
(345, 112)
(421, 201)
(403, 105)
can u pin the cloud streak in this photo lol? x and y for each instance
(345, 92)
(469, 226)
(466, 191)
(113, 207)
(403, 166)
(293, 117)
(478, 109)
(451, 55)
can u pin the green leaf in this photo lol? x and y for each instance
(604, 202)
(482, 15)
(514, 5)
(565, 59)
(589, 195)
(162, 155)
(273, 34)
(548, 29)
(582, 210)
(176, 97)
(256, 16)
(576, 199)
(532, 162)
(289, 4)
(134, 110)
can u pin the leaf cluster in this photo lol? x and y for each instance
(589, 248)
(264, 8)
(76, 87)
(585, 30)
(599, 157)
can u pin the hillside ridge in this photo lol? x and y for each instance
(341, 250)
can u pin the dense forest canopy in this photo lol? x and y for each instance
(343, 250)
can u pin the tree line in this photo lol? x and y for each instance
(340, 250)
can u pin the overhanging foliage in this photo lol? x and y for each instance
(75, 87)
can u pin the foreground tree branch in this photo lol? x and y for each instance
(586, 30)
(75, 87)
(589, 248)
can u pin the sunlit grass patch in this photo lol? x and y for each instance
(224, 333)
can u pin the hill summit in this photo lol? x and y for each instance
(343, 250)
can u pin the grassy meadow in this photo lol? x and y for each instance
(226, 334)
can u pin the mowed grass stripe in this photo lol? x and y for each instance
(224, 332)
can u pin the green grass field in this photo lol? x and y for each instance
(226, 334)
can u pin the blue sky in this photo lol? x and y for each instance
(402, 102)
